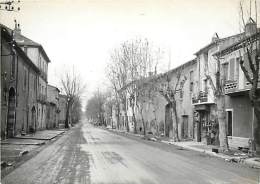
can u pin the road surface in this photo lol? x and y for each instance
(91, 155)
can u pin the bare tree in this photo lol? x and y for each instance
(73, 88)
(250, 45)
(129, 65)
(169, 93)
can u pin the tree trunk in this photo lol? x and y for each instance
(134, 120)
(221, 114)
(143, 124)
(126, 122)
(176, 128)
(118, 118)
(67, 116)
(256, 105)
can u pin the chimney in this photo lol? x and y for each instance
(250, 27)
(17, 30)
(215, 38)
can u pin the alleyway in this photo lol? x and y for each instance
(91, 155)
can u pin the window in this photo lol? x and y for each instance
(237, 68)
(205, 85)
(191, 81)
(24, 79)
(225, 71)
(181, 94)
(231, 69)
(191, 87)
(13, 67)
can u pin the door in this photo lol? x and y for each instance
(184, 127)
(229, 122)
(11, 113)
(33, 120)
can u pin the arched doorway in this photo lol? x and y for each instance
(32, 127)
(11, 113)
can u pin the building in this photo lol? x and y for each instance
(153, 112)
(62, 110)
(38, 56)
(52, 107)
(206, 124)
(240, 118)
(19, 79)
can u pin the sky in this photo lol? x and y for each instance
(82, 33)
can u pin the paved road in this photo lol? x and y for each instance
(91, 155)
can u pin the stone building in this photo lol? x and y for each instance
(62, 110)
(19, 79)
(206, 126)
(153, 112)
(38, 56)
(52, 107)
(240, 118)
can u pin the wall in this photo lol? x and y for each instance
(242, 115)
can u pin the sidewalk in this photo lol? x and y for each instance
(13, 150)
(237, 157)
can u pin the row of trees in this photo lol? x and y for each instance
(130, 73)
(73, 88)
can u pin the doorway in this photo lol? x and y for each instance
(184, 127)
(32, 127)
(229, 122)
(11, 113)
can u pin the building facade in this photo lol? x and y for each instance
(62, 110)
(206, 124)
(240, 118)
(52, 107)
(19, 78)
(40, 59)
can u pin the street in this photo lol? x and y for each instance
(92, 155)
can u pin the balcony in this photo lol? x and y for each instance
(42, 98)
(231, 86)
(202, 98)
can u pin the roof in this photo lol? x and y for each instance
(159, 76)
(49, 85)
(21, 40)
(238, 44)
(6, 34)
(207, 47)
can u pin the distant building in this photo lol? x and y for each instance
(62, 110)
(52, 107)
(19, 79)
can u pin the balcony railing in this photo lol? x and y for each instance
(231, 86)
(201, 98)
(42, 98)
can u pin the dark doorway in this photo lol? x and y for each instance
(229, 122)
(32, 127)
(11, 113)
(184, 127)
(168, 120)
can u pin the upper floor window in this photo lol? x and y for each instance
(191, 81)
(24, 79)
(225, 71)
(205, 85)
(13, 67)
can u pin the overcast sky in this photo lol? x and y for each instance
(82, 33)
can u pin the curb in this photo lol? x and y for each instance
(247, 161)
